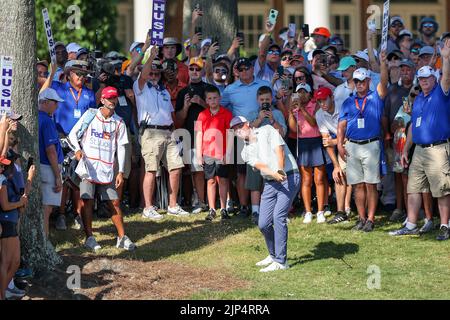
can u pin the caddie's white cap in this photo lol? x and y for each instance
(425, 72)
(361, 74)
(50, 94)
(73, 47)
(237, 120)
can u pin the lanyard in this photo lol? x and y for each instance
(79, 95)
(361, 109)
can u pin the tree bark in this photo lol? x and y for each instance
(18, 40)
(220, 19)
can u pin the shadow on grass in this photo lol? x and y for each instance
(172, 236)
(328, 250)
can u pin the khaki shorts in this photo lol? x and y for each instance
(363, 163)
(49, 197)
(158, 145)
(430, 171)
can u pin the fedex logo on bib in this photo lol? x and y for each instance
(100, 135)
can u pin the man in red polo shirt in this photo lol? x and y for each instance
(211, 130)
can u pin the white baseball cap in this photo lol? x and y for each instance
(134, 45)
(361, 55)
(50, 94)
(73, 47)
(361, 74)
(206, 42)
(237, 120)
(425, 72)
(303, 86)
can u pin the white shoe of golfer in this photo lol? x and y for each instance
(265, 262)
(274, 266)
(308, 218)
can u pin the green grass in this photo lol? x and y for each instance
(327, 261)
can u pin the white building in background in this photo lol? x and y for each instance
(343, 17)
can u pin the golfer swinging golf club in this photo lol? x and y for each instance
(266, 151)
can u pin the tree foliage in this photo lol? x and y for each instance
(94, 15)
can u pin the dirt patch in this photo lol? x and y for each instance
(121, 279)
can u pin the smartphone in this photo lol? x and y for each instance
(292, 28)
(273, 14)
(305, 30)
(240, 35)
(285, 84)
(280, 70)
(198, 29)
(197, 6)
(30, 163)
(191, 92)
(215, 39)
(323, 60)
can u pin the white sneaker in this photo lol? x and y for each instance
(308, 218)
(150, 213)
(199, 207)
(274, 266)
(14, 293)
(125, 243)
(265, 262)
(321, 217)
(61, 223)
(230, 205)
(92, 244)
(177, 211)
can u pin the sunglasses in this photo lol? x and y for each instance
(286, 58)
(242, 69)
(396, 25)
(218, 70)
(195, 69)
(274, 52)
(356, 81)
(301, 78)
(428, 25)
(80, 74)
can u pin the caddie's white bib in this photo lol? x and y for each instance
(99, 144)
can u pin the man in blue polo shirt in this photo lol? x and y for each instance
(360, 124)
(430, 131)
(240, 99)
(77, 97)
(50, 154)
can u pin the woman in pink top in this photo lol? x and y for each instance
(311, 155)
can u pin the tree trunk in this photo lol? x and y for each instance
(220, 19)
(18, 40)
